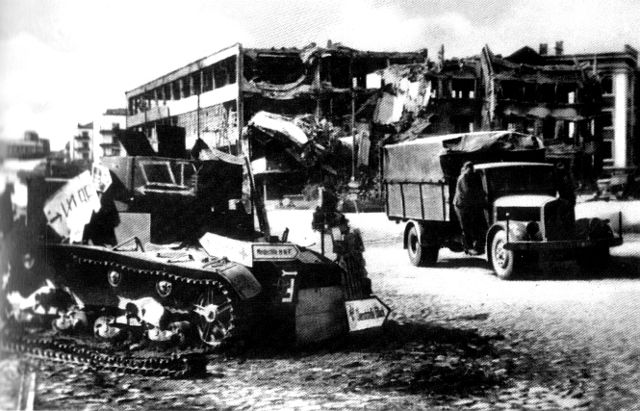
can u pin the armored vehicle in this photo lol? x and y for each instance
(526, 218)
(172, 250)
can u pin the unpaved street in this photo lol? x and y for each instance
(458, 338)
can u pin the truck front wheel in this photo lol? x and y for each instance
(420, 255)
(502, 260)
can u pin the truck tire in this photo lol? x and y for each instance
(420, 255)
(502, 260)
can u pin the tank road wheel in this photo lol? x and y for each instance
(420, 255)
(104, 328)
(215, 311)
(503, 260)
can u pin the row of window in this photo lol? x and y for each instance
(215, 76)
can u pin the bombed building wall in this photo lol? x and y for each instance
(561, 104)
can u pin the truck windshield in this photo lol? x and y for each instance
(503, 181)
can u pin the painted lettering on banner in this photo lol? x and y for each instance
(70, 208)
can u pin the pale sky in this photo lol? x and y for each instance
(64, 62)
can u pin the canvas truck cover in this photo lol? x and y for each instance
(439, 158)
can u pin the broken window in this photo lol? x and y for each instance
(607, 150)
(175, 90)
(566, 92)
(186, 86)
(546, 93)
(336, 71)
(220, 75)
(530, 91)
(224, 72)
(275, 68)
(207, 79)
(463, 88)
(231, 69)
(607, 85)
(607, 119)
(511, 90)
(195, 81)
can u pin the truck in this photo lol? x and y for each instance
(526, 218)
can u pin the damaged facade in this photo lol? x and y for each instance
(282, 106)
(619, 76)
(297, 110)
(561, 104)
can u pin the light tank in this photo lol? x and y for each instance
(172, 251)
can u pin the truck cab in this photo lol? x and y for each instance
(528, 218)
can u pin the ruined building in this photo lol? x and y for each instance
(620, 80)
(523, 92)
(262, 102)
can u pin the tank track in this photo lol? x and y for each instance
(237, 316)
(175, 365)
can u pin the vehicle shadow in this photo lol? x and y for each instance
(619, 267)
(463, 262)
(409, 357)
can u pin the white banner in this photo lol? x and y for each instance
(234, 250)
(71, 207)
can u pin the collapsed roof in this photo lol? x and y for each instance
(289, 73)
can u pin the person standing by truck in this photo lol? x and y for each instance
(470, 203)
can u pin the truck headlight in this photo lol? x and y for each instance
(533, 230)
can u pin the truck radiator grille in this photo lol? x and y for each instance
(559, 221)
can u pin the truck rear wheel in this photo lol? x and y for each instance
(502, 260)
(420, 255)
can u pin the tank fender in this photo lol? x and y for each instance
(243, 282)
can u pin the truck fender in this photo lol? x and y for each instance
(423, 234)
(517, 232)
(243, 282)
(407, 228)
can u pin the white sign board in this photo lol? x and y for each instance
(365, 314)
(274, 252)
(71, 207)
(221, 247)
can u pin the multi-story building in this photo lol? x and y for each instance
(82, 143)
(107, 129)
(620, 80)
(213, 98)
(31, 146)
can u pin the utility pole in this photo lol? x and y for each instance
(353, 123)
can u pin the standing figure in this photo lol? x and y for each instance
(349, 247)
(565, 185)
(470, 203)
